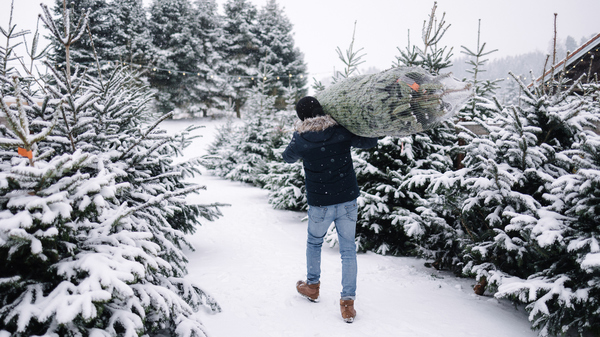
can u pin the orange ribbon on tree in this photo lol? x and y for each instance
(25, 153)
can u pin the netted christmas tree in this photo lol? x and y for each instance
(93, 211)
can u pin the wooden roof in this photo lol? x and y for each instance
(579, 61)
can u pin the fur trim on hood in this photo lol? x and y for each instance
(315, 124)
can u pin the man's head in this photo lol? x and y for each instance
(309, 107)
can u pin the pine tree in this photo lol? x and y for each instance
(482, 88)
(175, 36)
(437, 233)
(250, 150)
(210, 87)
(376, 229)
(82, 50)
(506, 175)
(93, 216)
(394, 175)
(561, 295)
(431, 56)
(221, 157)
(130, 35)
(255, 147)
(245, 156)
(284, 181)
(240, 49)
(7, 50)
(351, 60)
(277, 50)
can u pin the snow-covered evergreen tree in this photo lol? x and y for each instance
(482, 88)
(498, 197)
(255, 147)
(284, 181)
(221, 157)
(278, 50)
(393, 176)
(210, 86)
(7, 50)
(93, 213)
(561, 295)
(176, 37)
(431, 56)
(241, 153)
(240, 49)
(375, 230)
(101, 23)
(131, 34)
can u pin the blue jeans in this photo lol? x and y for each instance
(319, 218)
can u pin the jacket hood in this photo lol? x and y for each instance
(315, 124)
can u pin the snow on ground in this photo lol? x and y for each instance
(250, 259)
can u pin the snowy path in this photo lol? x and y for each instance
(251, 258)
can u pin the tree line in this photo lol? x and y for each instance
(194, 58)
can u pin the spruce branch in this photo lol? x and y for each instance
(69, 130)
(145, 135)
(352, 59)
(432, 31)
(18, 122)
(478, 55)
(430, 57)
(34, 55)
(67, 39)
(523, 86)
(553, 56)
(89, 31)
(126, 211)
(9, 34)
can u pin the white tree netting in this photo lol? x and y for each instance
(396, 102)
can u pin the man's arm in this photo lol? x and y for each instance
(363, 142)
(290, 155)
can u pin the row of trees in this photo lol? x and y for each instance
(196, 58)
(93, 210)
(516, 208)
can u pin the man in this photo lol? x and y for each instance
(331, 192)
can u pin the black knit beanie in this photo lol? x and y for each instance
(309, 107)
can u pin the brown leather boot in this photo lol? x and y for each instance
(310, 291)
(348, 312)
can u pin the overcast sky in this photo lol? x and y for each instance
(320, 26)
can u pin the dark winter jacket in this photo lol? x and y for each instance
(324, 147)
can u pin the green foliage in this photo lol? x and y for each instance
(483, 89)
(244, 152)
(394, 175)
(352, 59)
(430, 57)
(278, 52)
(513, 200)
(93, 219)
(179, 46)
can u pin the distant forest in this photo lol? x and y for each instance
(522, 65)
